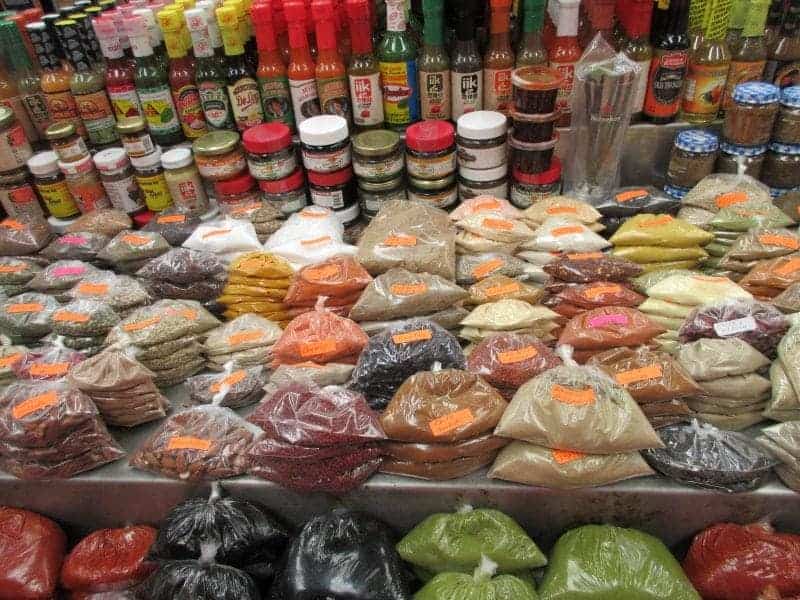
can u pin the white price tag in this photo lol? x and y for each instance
(727, 328)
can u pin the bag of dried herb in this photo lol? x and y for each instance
(47, 362)
(20, 239)
(15, 273)
(265, 217)
(9, 355)
(128, 251)
(721, 190)
(174, 225)
(501, 287)
(564, 234)
(400, 351)
(561, 206)
(245, 386)
(340, 277)
(76, 246)
(27, 316)
(246, 341)
(120, 292)
(61, 275)
(471, 268)
(105, 221)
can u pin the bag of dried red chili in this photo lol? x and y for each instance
(609, 327)
(337, 277)
(109, 560)
(738, 562)
(587, 267)
(31, 550)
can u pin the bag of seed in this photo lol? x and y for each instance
(9, 355)
(469, 243)
(337, 277)
(308, 373)
(659, 230)
(721, 190)
(485, 204)
(608, 327)
(508, 360)
(76, 246)
(471, 268)
(789, 299)
(226, 238)
(61, 275)
(20, 239)
(184, 267)
(410, 235)
(105, 221)
(121, 292)
(591, 267)
(174, 225)
(560, 234)
(47, 362)
(500, 287)
(631, 201)
(17, 271)
(28, 316)
(164, 321)
(129, 246)
(760, 243)
(244, 386)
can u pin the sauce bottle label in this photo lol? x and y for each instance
(467, 92)
(664, 83)
(741, 72)
(333, 98)
(782, 73)
(190, 111)
(18, 108)
(155, 190)
(365, 90)
(36, 107)
(159, 110)
(435, 94)
(124, 101)
(305, 100)
(497, 89)
(246, 103)
(89, 195)
(57, 199)
(400, 93)
(98, 117)
(276, 100)
(704, 87)
(216, 104)
(563, 100)
(15, 149)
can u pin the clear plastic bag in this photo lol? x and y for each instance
(560, 234)
(47, 362)
(243, 333)
(322, 221)
(479, 586)
(164, 321)
(312, 249)
(443, 452)
(789, 299)
(226, 238)
(655, 254)
(61, 275)
(245, 386)
(561, 206)
(645, 281)
(20, 239)
(471, 268)
(76, 246)
(184, 267)
(697, 290)
(608, 327)
(600, 293)
(507, 315)
(28, 316)
(120, 292)
(631, 201)
(737, 218)
(17, 271)
(105, 221)
(590, 267)
(508, 360)
(174, 225)
(757, 244)
(321, 375)
(198, 580)
(500, 287)
(469, 243)
(770, 277)
(485, 204)
(711, 358)
(337, 277)
(724, 189)
(660, 230)
(496, 227)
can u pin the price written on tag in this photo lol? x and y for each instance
(734, 326)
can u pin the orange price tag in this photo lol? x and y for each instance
(308, 349)
(789, 267)
(66, 316)
(563, 457)
(171, 219)
(446, 424)
(135, 240)
(143, 324)
(188, 443)
(93, 289)
(575, 397)
(485, 268)
(9, 360)
(731, 198)
(515, 356)
(783, 241)
(498, 224)
(560, 209)
(13, 268)
(240, 210)
(230, 381)
(636, 375)
(34, 403)
(49, 369)
(312, 214)
(585, 256)
(30, 307)
(322, 273)
(568, 230)
(485, 205)
(630, 195)
(400, 240)
(244, 337)
(316, 241)
(600, 290)
(216, 232)
(502, 290)
(420, 335)
(657, 222)
(408, 289)
(12, 224)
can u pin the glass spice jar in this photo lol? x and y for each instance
(66, 142)
(151, 180)
(15, 149)
(373, 195)
(481, 139)
(219, 155)
(84, 184)
(135, 137)
(526, 190)
(483, 182)
(787, 123)
(749, 158)
(325, 143)
(183, 180)
(441, 193)
(270, 152)
(377, 155)
(693, 156)
(18, 198)
(751, 115)
(431, 150)
(237, 192)
(52, 186)
(782, 166)
(288, 194)
(335, 191)
(116, 173)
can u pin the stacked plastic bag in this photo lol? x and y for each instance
(76, 246)
(309, 373)
(49, 362)
(627, 202)
(22, 239)
(308, 237)
(184, 274)
(758, 243)
(323, 439)
(174, 224)
(784, 374)
(339, 279)
(84, 324)
(27, 317)
(245, 386)
(718, 191)
(472, 268)
(245, 341)
(226, 238)
(128, 251)
(489, 225)
(782, 441)
(15, 273)
(563, 206)
(257, 283)
(573, 300)
(56, 278)
(122, 293)
(9, 356)
(266, 218)
(103, 221)
(514, 316)
(501, 287)
(769, 278)
(440, 424)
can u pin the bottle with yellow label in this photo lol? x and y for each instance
(151, 180)
(51, 185)
(750, 55)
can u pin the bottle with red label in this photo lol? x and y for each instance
(301, 70)
(330, 72)
(564, 54)
(667, 70)
(635, 21)
(498, 60)
(119, 70)
(363, 73)
(271, 73)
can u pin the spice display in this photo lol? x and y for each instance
(692, 157)
(135, 137)
(749, 119)
(430, 150)
(325, 144)
(219, 155)
(117, 176)
(66, 143)
(787, 123)
(51, 185)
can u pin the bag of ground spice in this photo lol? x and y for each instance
(244, 386)
(438, 453)
(105, 221)
(318, 219)
(337, 277)
(312, 249)
(485, 204)
(399, 293)
(608, 327)
(691, 214)
(76, 246)
(710, 358)
(653, 254)
(784, 405)
(321, 375)
(497, 227)
(697, 290)
(500, 287)
(507, 315)
(561, 206)
(560, 234)
(591, 267)
(225, 238)
(737, 218)
(659, 230)
(402, 350)
(130, 246)
(471, 268)
(631, 201)
(764, 243)
(20, 239)
(469, 243)
(243, 333)
(47, 362)
(601, 561)
(410, 235)
(773, 276)
(789, 299)
(174, 225)
(28, 316)
(645, 281)
(508, 360)
(201, 579)
(600, 293)
(478, 586)
(61, 275)
(723, 189)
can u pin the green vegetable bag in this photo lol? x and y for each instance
(601, 562)
(482, 585)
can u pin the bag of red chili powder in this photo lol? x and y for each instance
(609, 327)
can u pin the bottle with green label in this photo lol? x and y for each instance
(152, 85)
(434, 64)
(397, 61)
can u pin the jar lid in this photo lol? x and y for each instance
(323, 130)
(548, 177)
(756, 92)
(537, 78)
(82, 165)
(483, 174)
(381, 186)
(176, 158)
(785, 148)
(790, 96)
(676, 191)
(280, 186)
(778, 192)
(339, 177)
(432, 185)
(148, 161)
(7, 115)
(131, 125)
(57, 131)
(267, 137)
(534, 147)
(377, 142)
(111, 159)
(237, 185)
(215, 143)
(43, 163)
(482, 125)
(430, 136)
(742, 150)
(60, 226)
(696, 140)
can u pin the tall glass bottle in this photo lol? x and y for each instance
(636, 23)
(330, 72)
(697, 13)
(564, 55)
(774, 22)
(28, 104)
(531, 49)
(434, 64)
(466, 67)
(363, 73)
(120, 70)
(499, 59)
(273, 84)
(397, 56)
(211, 74)
(601, 20)
(783, 62)
(154, 35)
(749, 58)
(301, 69)
(736, 24)
(669, 64)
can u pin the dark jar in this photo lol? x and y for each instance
(693, 156)
(527, 190)
(288, 194)
(532, 159)
(751, 115)
(787, 123)
(335, 191)
(751, 159)
(536, 89)
(270, 153)
(533, 129)
(782, 166)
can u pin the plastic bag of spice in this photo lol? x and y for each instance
(609, 327)
(61, 275)
(261, 265)
(739, 562)
(652, 254)
(500, 287)
(443, 452)
(312, 249)
(497, 227)
(597, 561)
(105, 221)
(337, 277)
(507, 315)
(631, 201)
(469, 243)
(508, 360)
(28, 316)
(321, 375)
(697, 290)
(243, 333)
(591, 267)
(471, 268)
(174, 225)
(109, 560)
(345, 554)
(47, 362)
(128, 246)
(645, 281)
(320, 220)
(600, 293)
(762, 243)
(17, 271)
(773, 276)
(20, 239)
(561, 206)
(402, 350)
(723, 189)
(183, 266)
(164, 321)
(411, 235)
(737, 218)
(120, 292)
(784, 405)
(560, 234)
(245, 386)
(478, 586)
(76, 246)
(32, 549)
(226, 238)
(437, 471)
(711, 358)
(788, 300)
(659, 230)
(485, 204)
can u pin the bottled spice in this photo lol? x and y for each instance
(466, 74)
(499, 59)
(84, 184)
(377, 155)
(531, 49)
(441, 193)
(483, 182)
(749, 55)
(288, 194)
(335, 190)
(18, 198)
(373, 195)
(15, 149)
(532, 158)
(787, 124)
(526, 190)
(151, 180)
(481, 140)
(533, 129)
(782, 166)
(565, 53)
(693, 156)
(116, 173)
(325, 144)
(784, 52)
(183, 180)
(119, 70)
(751, 115)
(667, 70)
(237, 192)
(65, 142)
(397, 55)
(219, 155)
(331, 73)
(434, 65)
(52, 186)
(300, 70)
(363, 73)
(431, 150)
(635, 21)
(270, 153)
(271, 73)
(747, 159)
(536, 89)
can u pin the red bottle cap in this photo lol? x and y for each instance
(267, 137)
(237, 185)
(287, 184)
(361, 38)
(552, 175)
(143, 218)
(430, 136)
(323, 14)
(339, 177)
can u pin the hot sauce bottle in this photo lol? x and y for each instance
(397, 55)
(271, 73)
(20, 88)
(330, 71)
(363, 74)
(119, 70)
(301, 71)
(434, 65)
(466, 69)
(668, 66)
(564, 54)
(498, 60)
(531, 47)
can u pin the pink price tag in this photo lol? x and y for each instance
(66, 271)
(603, 320)
(73, 240)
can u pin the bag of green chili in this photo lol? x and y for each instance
(482, 585)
